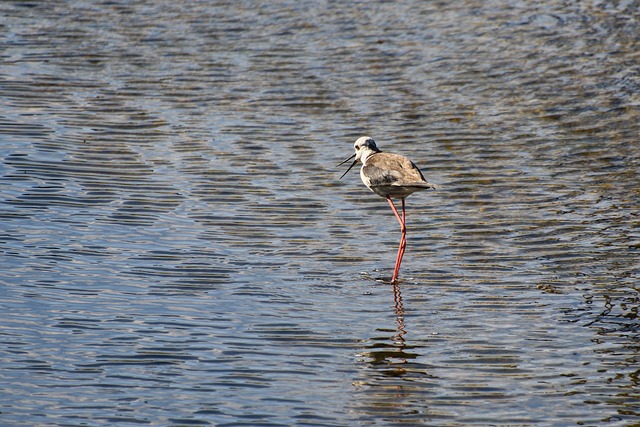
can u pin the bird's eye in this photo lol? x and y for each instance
(357, 147)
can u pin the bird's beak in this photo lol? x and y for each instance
(352, 164)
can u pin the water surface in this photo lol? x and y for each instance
(178, 249)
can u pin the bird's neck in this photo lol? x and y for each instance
(366, 154)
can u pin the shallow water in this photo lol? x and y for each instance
(178, 249)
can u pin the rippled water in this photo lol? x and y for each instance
(177, 248)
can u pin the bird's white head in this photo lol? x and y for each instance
(364, 146)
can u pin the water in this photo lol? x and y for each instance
(177, 248)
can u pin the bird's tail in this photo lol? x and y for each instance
(432, 186)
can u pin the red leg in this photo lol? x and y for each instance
(403, 238)
(395, 211)
(404, 229)
(403, 243)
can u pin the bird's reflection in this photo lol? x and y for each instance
(391, 352)
(397, 299)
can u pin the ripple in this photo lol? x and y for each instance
(178, 247)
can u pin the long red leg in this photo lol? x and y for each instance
(403, 241)
(403, 238)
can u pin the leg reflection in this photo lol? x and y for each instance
(397, 298)
(391, 350)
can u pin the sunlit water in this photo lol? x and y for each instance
(177, 248)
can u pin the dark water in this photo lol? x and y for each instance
(177, 248)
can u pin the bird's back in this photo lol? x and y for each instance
(393, 175)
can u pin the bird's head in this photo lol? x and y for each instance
(364, 147)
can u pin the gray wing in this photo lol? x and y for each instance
(393, 169)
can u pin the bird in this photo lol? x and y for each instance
(391, 176)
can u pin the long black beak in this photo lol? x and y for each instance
(352, 165)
